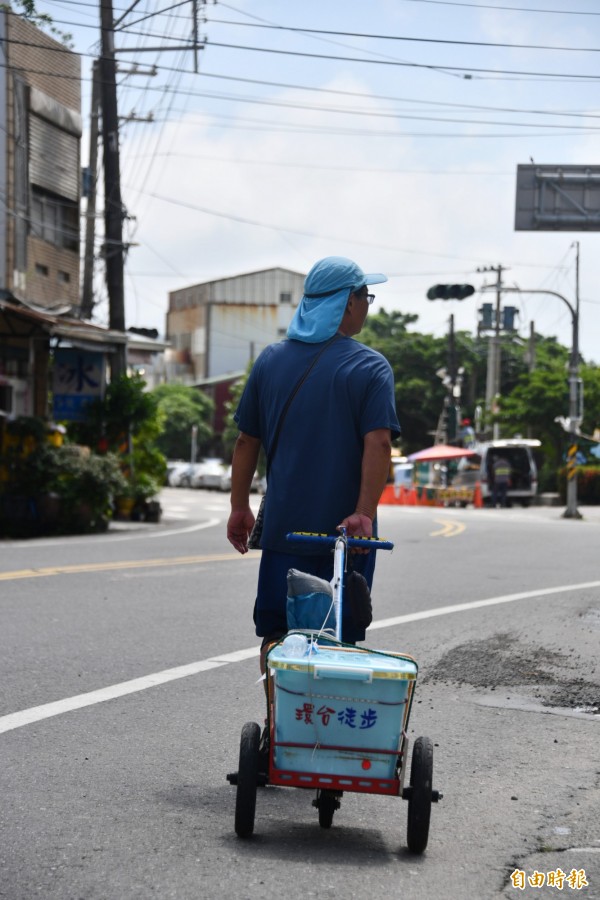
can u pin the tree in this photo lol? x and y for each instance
(26, 9)
(231, 431)
(126, 422)
(537, 398)
(415, 359)
(180, 408)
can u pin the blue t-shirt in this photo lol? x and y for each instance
(315, 474)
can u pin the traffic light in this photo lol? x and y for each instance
(450, 291)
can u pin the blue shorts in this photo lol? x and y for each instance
(271, 598)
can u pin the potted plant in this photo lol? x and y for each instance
(87, 485)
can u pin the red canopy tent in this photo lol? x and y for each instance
(439, 452)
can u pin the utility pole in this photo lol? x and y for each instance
(492, 390)
(113, 207)
(453, 406)
(87, 291)
(575, 391)
(575, 406)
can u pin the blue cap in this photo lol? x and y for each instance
(326, 290)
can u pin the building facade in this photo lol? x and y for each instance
(217, 327)
(40, 135)
(40, 107)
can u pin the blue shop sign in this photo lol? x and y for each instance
(79, 377)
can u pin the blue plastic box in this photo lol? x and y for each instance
(339, 712)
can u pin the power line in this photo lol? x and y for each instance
(311, 234)
(417, 40)
(374, 114)
(239, 122)
(384, 62)
(561, 12)
(330, 168)
(321, 90)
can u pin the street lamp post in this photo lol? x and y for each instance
(574, 421)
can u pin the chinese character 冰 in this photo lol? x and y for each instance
(305, 713)
(577, 880)
(518, 879)
(368, 718)
(325, 712)
(347, 717)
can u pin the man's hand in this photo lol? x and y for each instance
(357, 525)
(239, 526)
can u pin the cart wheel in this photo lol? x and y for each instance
(327, 802)
(419, 802)
(245, 800)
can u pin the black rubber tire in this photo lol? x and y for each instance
(245, 800)
(419, 803)
(327, 806)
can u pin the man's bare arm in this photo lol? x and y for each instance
(243, 467)
(377, 452)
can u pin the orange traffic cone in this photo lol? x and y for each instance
(477, 498)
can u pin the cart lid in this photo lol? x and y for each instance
(381, 663)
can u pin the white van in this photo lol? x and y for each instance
(518, 451)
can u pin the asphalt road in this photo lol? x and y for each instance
(128, 665)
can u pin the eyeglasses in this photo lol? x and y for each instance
(370, 298)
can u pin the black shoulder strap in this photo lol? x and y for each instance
(293, 394)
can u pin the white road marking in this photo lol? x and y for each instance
(478, 604)
(80, 701)
(114, 537)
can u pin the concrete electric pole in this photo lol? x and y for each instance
(492, 389)
(87, 291)
(113, 207)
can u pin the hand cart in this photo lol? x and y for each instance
(337, 720)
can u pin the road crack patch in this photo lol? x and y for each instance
(504, 661)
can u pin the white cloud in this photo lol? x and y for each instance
(390, 201)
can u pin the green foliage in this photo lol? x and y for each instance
(414, 358)
(83, 484)
(180, 408)
(231, 431)
(24, 427)
(127, 422)
(26, 9)
(588, 484)
(535, 401)
(125, 409)
(591, 389)
(86, 478)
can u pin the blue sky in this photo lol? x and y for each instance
(400, 153)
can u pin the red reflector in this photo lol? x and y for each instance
(366, 764)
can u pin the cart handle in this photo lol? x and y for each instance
(308, 537)
(349, 673)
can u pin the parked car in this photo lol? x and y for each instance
(207, 474)
(518, 451)
(177, 473)
(226, 481)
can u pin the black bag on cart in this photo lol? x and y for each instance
(359, 599)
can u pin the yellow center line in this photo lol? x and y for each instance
(116, 566)
(449, 528)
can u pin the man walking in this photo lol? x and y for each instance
(322, 405)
